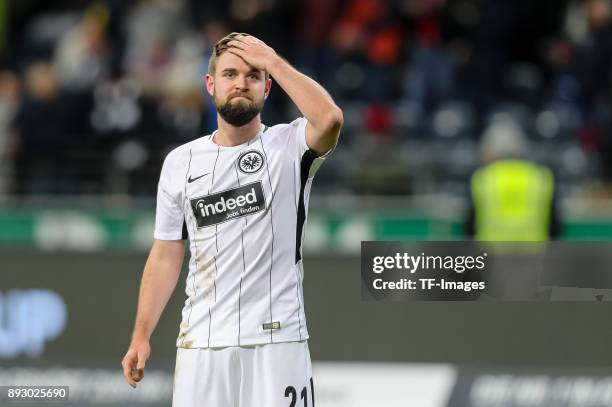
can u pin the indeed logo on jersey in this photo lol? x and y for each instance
(230, 204)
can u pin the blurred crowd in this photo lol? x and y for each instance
(94, 94)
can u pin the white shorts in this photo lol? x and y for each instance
(273, 375)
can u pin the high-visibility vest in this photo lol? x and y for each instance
(512, 201)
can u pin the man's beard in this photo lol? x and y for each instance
(240, 113)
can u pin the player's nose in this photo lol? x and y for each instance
(241, 83)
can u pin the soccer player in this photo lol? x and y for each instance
(240, 195)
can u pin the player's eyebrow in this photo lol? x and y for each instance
(234, 70)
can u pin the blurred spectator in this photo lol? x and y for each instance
(152, 27)
(429, 71)
(46, 126)
(367, 40)
(183, 88)
(594, 64)
(312, 53)
(10, 89)
(81, 58)
(512, 199)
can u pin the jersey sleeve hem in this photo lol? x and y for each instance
(168, 236)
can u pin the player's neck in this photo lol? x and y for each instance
(230, 136)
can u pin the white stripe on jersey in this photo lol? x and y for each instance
(244, 285)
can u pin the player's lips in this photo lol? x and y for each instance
(240, 97)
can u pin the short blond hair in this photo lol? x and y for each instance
(220, 47)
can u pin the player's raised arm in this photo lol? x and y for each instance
(324, 116)
(158, 282)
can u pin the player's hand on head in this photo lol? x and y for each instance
(254, 51)
(134, 362)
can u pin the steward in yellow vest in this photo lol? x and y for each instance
(511, 199)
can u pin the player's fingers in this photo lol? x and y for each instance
(128, 378)
(242, 36)
(238, 53)
(127, 373)
(129, 361)
(129, 364)
(137, 375)
(142, 360)
(249, 38)
(237, 44)
(254, 40)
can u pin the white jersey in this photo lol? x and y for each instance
(243, 209)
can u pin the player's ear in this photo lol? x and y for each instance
(210, 84)
(268, 87)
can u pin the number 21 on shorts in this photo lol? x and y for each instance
(291, 393)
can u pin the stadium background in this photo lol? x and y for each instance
(94, 94)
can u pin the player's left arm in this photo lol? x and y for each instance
(324, 117)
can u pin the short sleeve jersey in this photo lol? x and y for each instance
(243, 209)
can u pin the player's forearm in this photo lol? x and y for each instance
(159, 280)
(311, 99)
